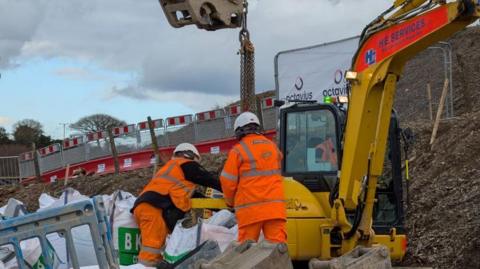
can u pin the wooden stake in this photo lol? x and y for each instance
(114, 151)
(36, 163)
(439, 113)
(429, 94)
(67, 172)
(158, 159)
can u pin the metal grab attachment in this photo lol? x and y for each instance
(62, 220)
(210, 15)
(358, 258)
(247, 66)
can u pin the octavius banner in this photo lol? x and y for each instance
(315, 72)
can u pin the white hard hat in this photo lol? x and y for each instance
(244, 119)
(187, 147)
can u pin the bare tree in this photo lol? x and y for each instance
(96, 123)
(27, 131)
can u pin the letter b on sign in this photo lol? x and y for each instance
(128, 240)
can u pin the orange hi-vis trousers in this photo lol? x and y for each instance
(273, 230)
(153, 230)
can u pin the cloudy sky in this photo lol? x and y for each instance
(61, 60)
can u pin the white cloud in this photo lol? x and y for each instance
(43, 48)
(5, 121)
(76, 73)
(197, 101)
(134, 36)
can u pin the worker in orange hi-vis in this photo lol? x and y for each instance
(166, 199)
(253, 185)
(328, 152)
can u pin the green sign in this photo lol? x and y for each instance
(129, 240)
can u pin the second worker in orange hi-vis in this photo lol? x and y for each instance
(166, 199)
(253, 185)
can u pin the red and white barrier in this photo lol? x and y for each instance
(72, 142)
(49, 150)
(26, 156)
(179, 120)
(128, 129)
(96, 136)
(210, 115)
(156, 124)
(234, 110)
(267, 103)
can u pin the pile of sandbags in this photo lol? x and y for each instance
(212, 235)
(126, 235)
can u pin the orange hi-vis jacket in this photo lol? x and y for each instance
(171, 181)
(328, 151)
(252, 182)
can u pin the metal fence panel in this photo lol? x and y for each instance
(27, 169)
(229, 121)
(50, 162)
(126, 143)
(191, 131)
(9, 170)
(210, 130)
(145, 140)
(75, 155)
(269, 118)
(98, 149)
(183, 134)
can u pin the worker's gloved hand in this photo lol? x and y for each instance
(201, 190)
(191, 218)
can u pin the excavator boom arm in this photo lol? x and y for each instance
(377, 66)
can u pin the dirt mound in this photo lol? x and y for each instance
(443, 218)
(132, 181)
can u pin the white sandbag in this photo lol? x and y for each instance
(81, 235)
(68, 196)
(46, 200)
(119, 212)
(13, 208)
(180, 242)
(222, 218)
(126, 235)
(222, 235)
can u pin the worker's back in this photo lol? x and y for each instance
(260, 183)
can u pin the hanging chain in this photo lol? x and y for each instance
(247, 65)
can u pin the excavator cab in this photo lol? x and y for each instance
(310, 142)
(311, 136)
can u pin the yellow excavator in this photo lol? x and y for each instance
(339, 204)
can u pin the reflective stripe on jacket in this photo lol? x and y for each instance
(252, 182)
(171, 181)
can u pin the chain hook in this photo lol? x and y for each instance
(244, 33)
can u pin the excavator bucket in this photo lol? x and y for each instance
(250, 255)
(358, 258)
(210, 15)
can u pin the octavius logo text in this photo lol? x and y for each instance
(299, 94)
